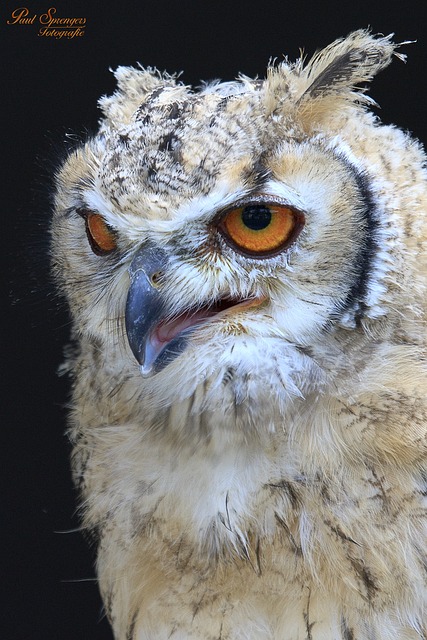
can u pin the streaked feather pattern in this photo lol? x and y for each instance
(264, 476)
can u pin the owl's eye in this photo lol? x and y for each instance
(101, 237)
(261, 229)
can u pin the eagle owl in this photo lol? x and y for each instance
(245, 268)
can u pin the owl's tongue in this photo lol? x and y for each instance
(170, 332)
(167, 330)
(169, 337)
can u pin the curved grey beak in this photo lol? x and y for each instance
(145, 304)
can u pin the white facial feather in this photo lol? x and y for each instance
(245, 267)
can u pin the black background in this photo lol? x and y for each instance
(50, 87)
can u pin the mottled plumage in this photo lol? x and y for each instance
(245, 267)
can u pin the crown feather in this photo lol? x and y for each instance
(346, 63)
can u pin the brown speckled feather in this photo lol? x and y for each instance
(249, 414)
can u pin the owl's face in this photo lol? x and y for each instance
(237, 234)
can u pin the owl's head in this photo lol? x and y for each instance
(258, 235)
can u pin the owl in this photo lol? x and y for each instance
(245, 267)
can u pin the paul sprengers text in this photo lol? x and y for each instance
(49, 24)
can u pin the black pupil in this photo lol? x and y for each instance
(256, 216)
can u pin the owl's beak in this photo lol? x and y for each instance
(145, 304)
(156, 337)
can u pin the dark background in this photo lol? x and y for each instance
(50, 87)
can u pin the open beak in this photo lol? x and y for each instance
(145, 304)
(155, 336)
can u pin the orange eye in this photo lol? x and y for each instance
(101, 237)
(261, 229)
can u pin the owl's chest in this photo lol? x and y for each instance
(219, 534)
(233, 545)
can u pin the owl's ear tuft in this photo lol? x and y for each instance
(332, 77)
(133, 85)
(346, 63)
